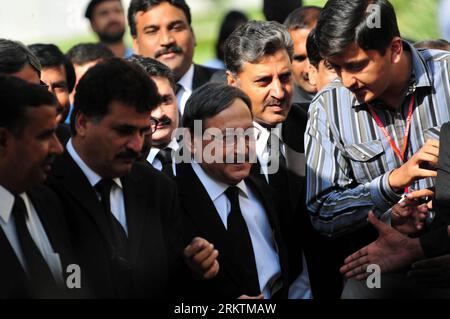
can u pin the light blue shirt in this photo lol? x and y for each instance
(36, 230)
(116, 198)
(264, 246)
(156, 163)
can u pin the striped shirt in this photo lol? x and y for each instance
(348, 157)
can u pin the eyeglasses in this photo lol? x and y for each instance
(153, 124)
(43, 84)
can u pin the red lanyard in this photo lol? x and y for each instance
(400, 155)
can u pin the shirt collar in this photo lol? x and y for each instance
(265, 133)
(154, 150)
(187, 79)
(92, 176)
(6, 204)
(213, 187)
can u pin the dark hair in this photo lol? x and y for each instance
(254, 40)
(145, 5)
(50, 56)
(276, 10)
(154, 68)
(113, 80)
(312, 49)
(91, 6)
(302, 18)
(439, 44)
(14, 56)
(15, 96)
(231, 21)
(343, 22)
(83, 53)
(209, 100)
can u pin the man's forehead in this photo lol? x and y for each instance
(159, 14)
(268, 64)
(107, 4)
(351, 54)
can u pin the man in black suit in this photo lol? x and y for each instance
(122, 214)
(258, 58)
(164, 145)
(18, 60)
(161, 29)
(34, 246)
(222, 203)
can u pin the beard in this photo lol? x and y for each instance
(110, 38)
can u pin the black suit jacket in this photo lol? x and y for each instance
(200, 218)
(13, 280)
(435, 241)
(151, 213)
(202, 74)
(322, 257)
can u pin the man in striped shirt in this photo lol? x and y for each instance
(374, 137)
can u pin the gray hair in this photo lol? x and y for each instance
(14, 56)
(254, 40)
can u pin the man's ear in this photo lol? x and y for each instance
(93, 26)
(193, 36)
(312, 75)
(396, 49)
(135, 43)
(81, 123)
(231, 79)
(5, 136)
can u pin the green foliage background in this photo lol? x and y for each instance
(416, 18)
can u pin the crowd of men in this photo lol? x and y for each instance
(312, 156)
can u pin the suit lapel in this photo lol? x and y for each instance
(70, 176)
(42, 210)
(196, 202)
(262, 190)
(135, 211)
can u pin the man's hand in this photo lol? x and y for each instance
(433, 272)
(410, 171)
(408, 217)
(201, 257)
(392, 250)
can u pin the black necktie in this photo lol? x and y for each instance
(165, 157)
(119, 236)
(178, 88)
(38, 270)
(120, 259)
(241, 245)
(274, 146)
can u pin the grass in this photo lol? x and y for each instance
(416, 18)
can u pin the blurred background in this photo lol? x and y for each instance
(62, 21)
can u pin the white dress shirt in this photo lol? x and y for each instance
(36, 230)
(156, 163)
(262, 151)
(186, 89)
(116, 198)
(301, 287)
(263, 242)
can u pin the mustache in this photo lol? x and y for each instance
(113, 23)
(170, 49)
(276, 102)
(49, 159)
(128, 154)
(165, 120)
